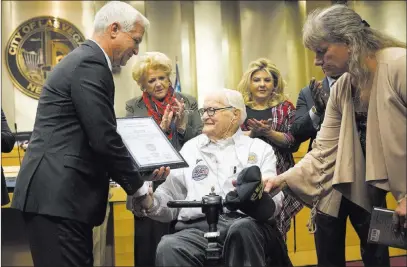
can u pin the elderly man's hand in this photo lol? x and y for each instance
(156, 175)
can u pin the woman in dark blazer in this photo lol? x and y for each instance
(177, 114)
(7, 144)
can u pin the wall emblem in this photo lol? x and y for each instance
(35, 47)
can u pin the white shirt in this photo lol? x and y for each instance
(314, 117)
(211, 164)
(106, 56)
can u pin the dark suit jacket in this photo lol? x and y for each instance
(7, 144)
(74, 147)
(302, 129)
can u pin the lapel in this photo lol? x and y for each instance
(101, 56)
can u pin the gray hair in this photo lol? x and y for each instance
(340, 24)
(120, 12)
(230, 97)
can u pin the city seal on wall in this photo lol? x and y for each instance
(35, 47)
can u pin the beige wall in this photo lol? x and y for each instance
(214, 41)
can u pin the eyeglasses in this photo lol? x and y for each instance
(136, 41)
(211, 111)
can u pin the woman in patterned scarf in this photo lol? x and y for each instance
(269, 117)
(176, 113)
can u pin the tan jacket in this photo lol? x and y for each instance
(336, 165)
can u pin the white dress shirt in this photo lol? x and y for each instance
(210, 165)
(107, 57)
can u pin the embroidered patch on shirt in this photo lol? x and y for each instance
(200, 172)
(252, 158)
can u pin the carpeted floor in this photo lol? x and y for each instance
(399, 261)
(394, 262)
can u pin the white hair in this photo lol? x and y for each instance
(230, 97)
(120, 12)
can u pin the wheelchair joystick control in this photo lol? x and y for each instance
(212, 207)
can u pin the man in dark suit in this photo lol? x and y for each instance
(7, 144)
(310, 109)
(62, 187)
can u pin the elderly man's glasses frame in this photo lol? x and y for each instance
(211, 111)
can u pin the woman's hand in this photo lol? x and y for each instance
(181, 117)
(272, 183)
(166, 119)
(259, 128)
(400, 219)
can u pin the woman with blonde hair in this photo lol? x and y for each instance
(269, 117)
(177, 114)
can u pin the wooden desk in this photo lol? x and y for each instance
(120, 229)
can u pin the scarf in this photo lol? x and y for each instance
(156, 108)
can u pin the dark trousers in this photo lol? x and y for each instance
(56, 241)
(245, 242)
(147, 235)
(331, 232)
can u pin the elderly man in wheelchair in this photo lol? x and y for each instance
(248, 235)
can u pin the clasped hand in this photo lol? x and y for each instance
(258, 128)
(176, 113)
(141, 204)
(319, 95)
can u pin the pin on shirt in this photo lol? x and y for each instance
(252, 158)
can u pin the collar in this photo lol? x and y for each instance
(107, 57)
(234, 139)
(330, 81)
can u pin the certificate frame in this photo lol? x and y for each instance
(147, 162)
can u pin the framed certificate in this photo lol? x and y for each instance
(148, 145)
